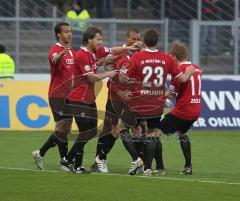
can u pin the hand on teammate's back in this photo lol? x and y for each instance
(125, 95)
(191, 69)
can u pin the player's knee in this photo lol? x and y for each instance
(152, 132)
(136, 131)
(183, 137)
(64, 126)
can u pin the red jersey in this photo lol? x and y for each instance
(62, 73)
(113, 84)
(189, 98)
(86, 64)
(149, 69)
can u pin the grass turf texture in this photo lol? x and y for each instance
(215, 164)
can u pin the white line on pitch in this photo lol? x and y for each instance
(115, 174)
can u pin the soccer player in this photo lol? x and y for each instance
(120, 94)
(62, 63)
(82, 97)
(149, 69)
(188, 104)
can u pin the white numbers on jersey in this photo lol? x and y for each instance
(193, 85)
(149, 71)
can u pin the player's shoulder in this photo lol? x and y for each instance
(104, 49)
(82, 52)
(166, 56)
(54, 48)
(83, 55)
(136, 55)
(186, 64)
(125, 58)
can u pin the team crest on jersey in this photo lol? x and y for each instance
(123, 69)
(87, 68)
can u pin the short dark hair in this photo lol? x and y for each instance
(180, 51)
(150, 37)
(58, 28)
(2, 49)
(132, 30)
(90, 33)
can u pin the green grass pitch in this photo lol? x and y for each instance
(216, 172)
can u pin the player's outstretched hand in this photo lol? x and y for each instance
(111, 74)
(191, 69)
(136, 46)
(66, 49)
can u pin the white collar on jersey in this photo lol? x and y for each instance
(86, 50)
(148, 50)
(58, 44)
(185, 62)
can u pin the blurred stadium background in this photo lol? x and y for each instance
(27, 28)
(27, 31)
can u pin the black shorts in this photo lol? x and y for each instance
(85, 115)
(133, 119)
(170, 124)
(153, 122)
(112, 115)
(60, 109)
(114, 111)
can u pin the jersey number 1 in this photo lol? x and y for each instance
(193, 85)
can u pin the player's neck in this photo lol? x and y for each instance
(151, 48)
(89, 48)
(64, 44)
(181, 62)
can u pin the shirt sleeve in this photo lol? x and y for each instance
(103, 52)
(52, 53)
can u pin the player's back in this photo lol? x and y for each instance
(189, 98)
(152, 68)
(150, 71)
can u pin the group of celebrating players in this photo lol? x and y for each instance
(137, 94)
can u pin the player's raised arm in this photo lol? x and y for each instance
(57, 58)
(124, 49)
(99, 76)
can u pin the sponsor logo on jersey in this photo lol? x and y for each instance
(69, 61)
